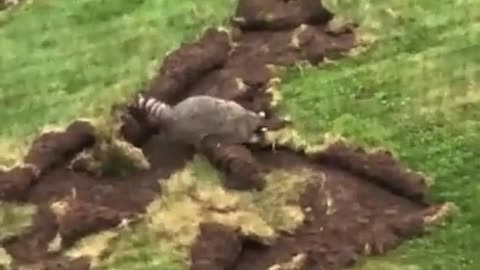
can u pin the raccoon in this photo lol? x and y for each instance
(198, 117)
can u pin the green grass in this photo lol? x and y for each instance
(415, 91)
(65, 59)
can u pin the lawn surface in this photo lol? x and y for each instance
(415, 91)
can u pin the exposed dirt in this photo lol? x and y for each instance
(98, 203)
(279, 14)
(379, 166)
(242, 171)
(212, 238)
(347, 216)
(361, 204)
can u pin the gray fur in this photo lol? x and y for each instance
(196, 117)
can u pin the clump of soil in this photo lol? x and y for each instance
(55, 148)
(242, 172)
(76, 219)
(212, 238)
(379, 166)
(176, 74)
(279, 14)
(15, 182)
(49, 150)
(32, 246)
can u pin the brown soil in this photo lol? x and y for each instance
(212, 238)
(361, 204)
(379, 166)
(279, 14)
(241, 169)
(99, 203)
(347, 215)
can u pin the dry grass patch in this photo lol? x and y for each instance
(93, 246)
(195, 195)
(14, 218)
(5, 259)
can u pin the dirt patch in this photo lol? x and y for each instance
(15, 182)
(358, 204)
(279, 14)
(53, 149)
(379, 166)
(99, 202)
(348, 215)
(177, 74)
(242, 171)
(212, 238)
(76, 219)
(32, 245)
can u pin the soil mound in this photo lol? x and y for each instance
(214, 237)
(279, 14)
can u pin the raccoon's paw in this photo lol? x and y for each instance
(254, 139)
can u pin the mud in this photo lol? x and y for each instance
(212, 238)
(361, 203)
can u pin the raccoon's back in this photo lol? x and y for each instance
(201, 116)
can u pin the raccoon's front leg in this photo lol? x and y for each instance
(258, 135)
(254, 139)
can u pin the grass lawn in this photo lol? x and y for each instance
(416, 91)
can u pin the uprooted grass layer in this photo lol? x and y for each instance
(14, 219)
(191, 196)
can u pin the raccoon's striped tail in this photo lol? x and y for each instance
(148, 109)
